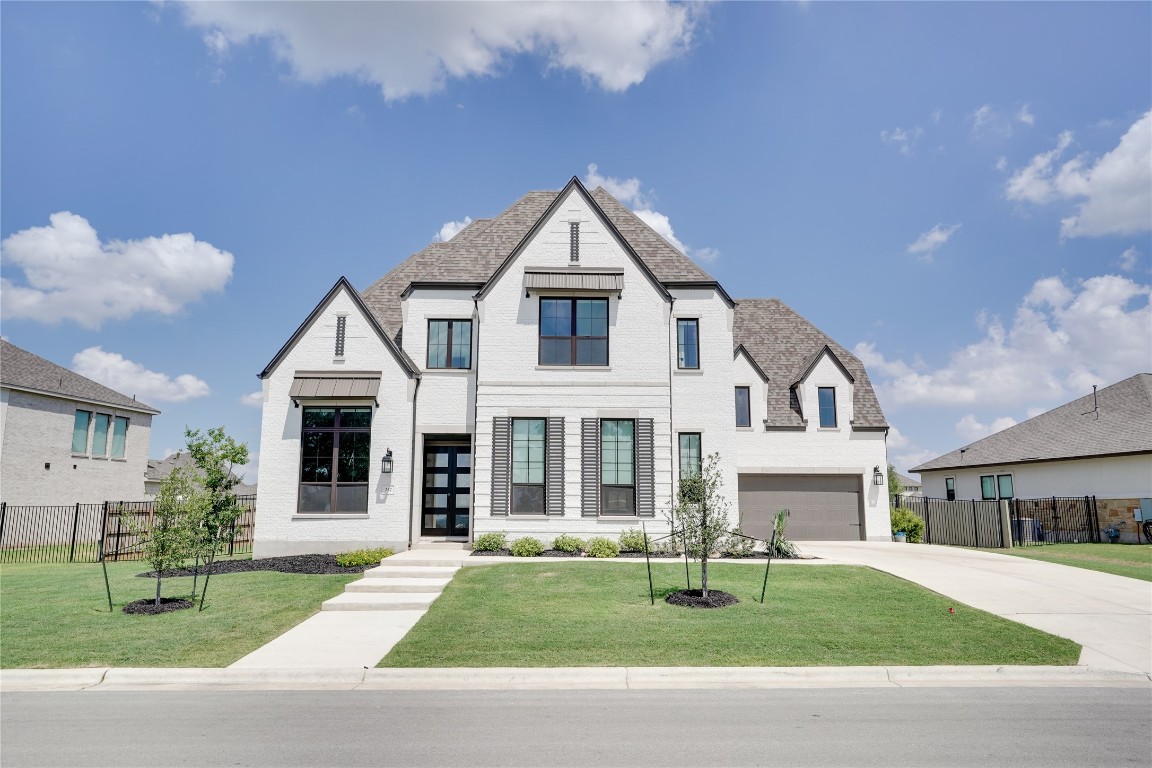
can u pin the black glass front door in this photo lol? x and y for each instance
(447, 490)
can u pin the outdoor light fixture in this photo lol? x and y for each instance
(877, 476)
(386, 463)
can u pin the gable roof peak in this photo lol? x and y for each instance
(21, 369)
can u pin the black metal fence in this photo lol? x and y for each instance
(82, 533)
(972, 523)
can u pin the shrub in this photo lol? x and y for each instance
(633, 540)
(363, 557)
(491, 542)
(527, 547)
(906, 521)
(598, 546)
(783, 548)
(567, 543)
(738, 546)
(669, 546)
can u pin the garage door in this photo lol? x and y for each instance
(823, 507)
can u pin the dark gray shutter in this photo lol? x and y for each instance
(590, 467)
(501, 454)
(645, 469)
(554, 469)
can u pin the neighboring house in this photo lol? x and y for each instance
(64, 439)
(159, 469)
(910, 486)
(556, 369)
(1099, 445)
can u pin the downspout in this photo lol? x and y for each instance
(475, 401)
(671, 429)
(412, 469)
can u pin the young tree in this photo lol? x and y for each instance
(170, 539)
(702, 513)
(895, 487)
(215, 456)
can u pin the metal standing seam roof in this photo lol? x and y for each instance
(20, 369)
(1117, 420)
(363, 384)
(573, 281)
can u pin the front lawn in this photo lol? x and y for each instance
(57, 616)
(1131, 560)
(598, 614)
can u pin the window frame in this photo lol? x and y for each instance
(681, 346)
(103, 452)
(983, 491)
(1011, 482)
(605, 488)
(116, 422)
(747, 407)
(87, 432)
(543, 484)
(820, 407)
(699, 453)
(950, 488)
(573, 337)
(334, 483)
(452, 322)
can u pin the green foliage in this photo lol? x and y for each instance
(363, 556)
(909, 523)
(702, 513)
(172, 535)
(780, 546)
(735, 545)
(567, 543)
(215, 455)
(491, 542)
(598, 546)
(633, 540)
(527, 547)
(894, 485)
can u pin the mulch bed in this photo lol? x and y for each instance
(149, 606)
(490, 553)
(691, 598)
(308, 564)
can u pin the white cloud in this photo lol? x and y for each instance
(904, 140)
(927, 244)
(1115, 192)
(452, 228)
(1024, 115)
(988, 122)
(630, 192)
(896, 439)
(937, 114)
(1001, 163)
(415, 48)
(123, 375)
(1051, 352)
(970, 429)
(71, 275)
(253, 399)
(249, 473)
(1130, 259)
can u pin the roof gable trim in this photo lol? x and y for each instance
(827, 350)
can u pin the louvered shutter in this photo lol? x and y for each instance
(501, 461)
(590, 467)
(645, 469)
(554, 472)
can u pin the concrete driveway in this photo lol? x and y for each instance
(1110, 616)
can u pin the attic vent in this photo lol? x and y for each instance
(574, 241)
(341, 323)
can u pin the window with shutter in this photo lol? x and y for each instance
(501, 459)
(555, 473)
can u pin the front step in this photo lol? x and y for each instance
(443, 562)
(411, 572)
(380, 601)
(395, 584)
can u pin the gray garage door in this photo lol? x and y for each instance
(823, 507)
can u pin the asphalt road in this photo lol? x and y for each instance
(1049, 727)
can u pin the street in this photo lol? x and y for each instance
(940, 726)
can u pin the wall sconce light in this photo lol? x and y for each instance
(386, 463)
(877, 476)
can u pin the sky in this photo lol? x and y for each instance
(959, 193)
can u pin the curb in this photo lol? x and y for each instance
(564, 678)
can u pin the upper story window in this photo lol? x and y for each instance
(449, 343)
(80, 431)
(827, 406)
(950, 488)
(100, 435)
(688, 343)
(617, 467)
(119, 436)
(529, 437)
(689, 454)
(573, 332)
(743, 407)
(334, 447)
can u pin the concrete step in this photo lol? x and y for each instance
(380, 601)
(411, 572)
(442, 546)
(425, 562)
(397, 585)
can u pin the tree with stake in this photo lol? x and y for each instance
(703, 515)
(170, 541)
(215, 456)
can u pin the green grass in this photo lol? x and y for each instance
(57, 616)
(1131, 560)
(598, 614)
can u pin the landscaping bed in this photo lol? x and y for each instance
(309, 564)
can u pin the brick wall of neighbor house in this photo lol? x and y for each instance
(38, 432)
(279, 530)
(1113, 477)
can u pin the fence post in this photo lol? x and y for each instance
(103, 532)
(927, 524)
(3, 514)
(75, 523)
(975, 525)
(1005, 525)
(1096, 521)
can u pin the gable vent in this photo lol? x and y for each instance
(574, 241)
(341, 326)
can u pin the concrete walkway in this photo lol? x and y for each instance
(1110, 616)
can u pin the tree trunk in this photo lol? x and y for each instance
(157, 588)
(704, 576)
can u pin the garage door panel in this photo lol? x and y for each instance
(822, 507)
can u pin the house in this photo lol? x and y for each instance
(556, 369)
(1097, 445)
(909, 486)
(66, 439)
(158, 471)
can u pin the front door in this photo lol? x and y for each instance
(447, 490)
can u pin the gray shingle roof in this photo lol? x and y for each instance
(159, 469)
(1121, 424)
(783, 344)
(21, 369)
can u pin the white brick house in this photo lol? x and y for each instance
(554, 370)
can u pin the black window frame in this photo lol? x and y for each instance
(606, 488)
(334, 483)
(573, 337)
(950, 492)
(680, 346)
(699, 453)
(747, 407)
(820, 407)
(451, 321)
(1011, 480)
(983, 493)
(87, 432)
(513, 485)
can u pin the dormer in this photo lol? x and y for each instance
(821, 391)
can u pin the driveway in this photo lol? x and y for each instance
(1110, 616)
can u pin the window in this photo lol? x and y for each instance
(80, 432)
(334, 447)
(119, 436)
(995, 487)
(449, 343)
(987, 487)
(827, 397)
(743, 408)
(950, 488)
(617, 467)
(528, 460)
(688, 343)
(1004, 486)
(573, 332)
(689, 454)
(100, 435)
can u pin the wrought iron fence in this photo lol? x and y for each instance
(82, 533)
(1055, 520)
(972, 523)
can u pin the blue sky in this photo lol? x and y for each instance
(961, 193)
